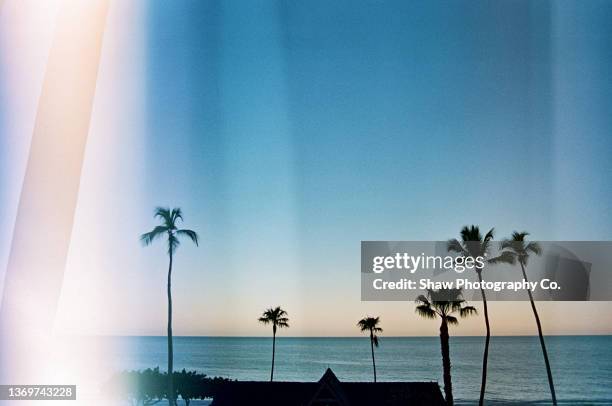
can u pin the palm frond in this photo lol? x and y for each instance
(471, 233)
(485, 244)
(190, 234)
(176, 214)
(164, 214)
(426, 312)
(467, 311)
(518, 248)
(168, 218)
(505, 257)
(534, 247)
(280, 312)
(275, 316)
(375, 340)
(506, 244)
(148, 238)
(452, 320)
(456, 306)
(519, 236)
(369, 323)
(422, 300)
(443, 303)
(444, 295)
(454, 245)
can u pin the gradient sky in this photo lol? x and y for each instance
(289, 132)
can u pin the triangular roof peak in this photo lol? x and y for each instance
(329, 377)
(329, 392)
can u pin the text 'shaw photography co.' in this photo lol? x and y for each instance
(213, 203)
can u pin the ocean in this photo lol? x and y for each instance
(581, 365)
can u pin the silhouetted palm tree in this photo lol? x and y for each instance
(473, 245)
(370, 324)
(278, 318)
(518, 247)
(443, 304)
(168, 228)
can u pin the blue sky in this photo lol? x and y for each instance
(288, 132)
(389, 119)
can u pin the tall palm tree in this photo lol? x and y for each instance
(473, 245)
(370, 324)
(443, 304)
(169, 228)
(520, 249)
(278, 318)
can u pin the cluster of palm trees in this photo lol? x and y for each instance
(278, 318)
(511, 250)
(446, 305)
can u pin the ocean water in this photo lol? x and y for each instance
(582, 365)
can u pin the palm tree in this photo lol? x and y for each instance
(278, 318)
(473, 245)
(443, 304)
(520, 249)
(370, 324)
(168, 228)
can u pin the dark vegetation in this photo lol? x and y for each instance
(150, 386)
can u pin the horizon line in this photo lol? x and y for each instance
(354, 336)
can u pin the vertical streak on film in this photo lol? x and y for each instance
(49, 194)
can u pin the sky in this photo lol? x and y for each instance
(289, 132)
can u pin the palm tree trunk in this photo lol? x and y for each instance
(373, 361)
(544, 352)
(446, 364)
(273, 351)
(171, 400)
(485, 357)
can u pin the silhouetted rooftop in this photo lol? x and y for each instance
(328, 391)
